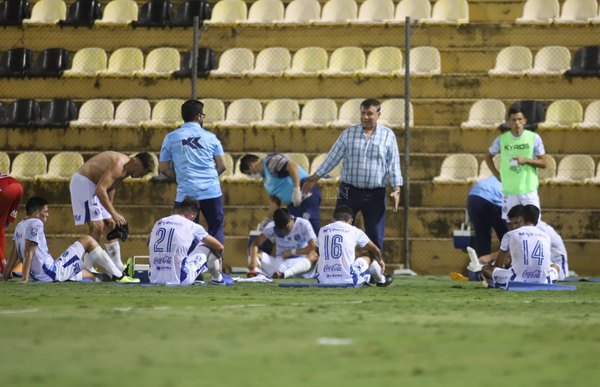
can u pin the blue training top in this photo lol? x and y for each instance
(192, 150)
(280, 187)
(489, 189)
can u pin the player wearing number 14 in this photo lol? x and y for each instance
(524, 254)
(337, 261)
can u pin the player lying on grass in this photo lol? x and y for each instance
(30, 246)
(181, 250)
(338, 263)
(524, 253)
(558, 251)
(295, 248)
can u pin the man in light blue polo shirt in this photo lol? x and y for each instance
(195, 157)
(484, 205)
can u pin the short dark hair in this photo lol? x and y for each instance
(367, 103)
(245, 162)
(515, 109)
(515, 211)
(35, 203)
(147, 161)
(190, 110)
(343, 213)
(188, 205)
(281, 217)
(531, 214)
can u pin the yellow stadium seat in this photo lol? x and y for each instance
(165, 114)
(375, 11)
(384, 61)
(551, 60)
(94, 113)
(29, 165)
(338, 11)
(118, 13)
(131, 113)
(299, 158)
(457, 168)
(271, 61)
(539, 12)
(279, 112)
(302, 11)
(4, 162)
(392, 113)
(214, 110)
(591, 119)
(449, 12)
(345, 61)
(512, 60)
(242, 113)
(63, 165)
(419, 10)
(425, 61)
(308, 61)
(334, 174)
(160, 62)
(577, 11)
(234, 61)
(485, 114)
(228, 12)
(349, 113)
(319, 112)
(563, 114)
(47, 12)
(87, 62)
(124, 62)
(574, 169)
(265, 11)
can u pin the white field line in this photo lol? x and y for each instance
(19, 311)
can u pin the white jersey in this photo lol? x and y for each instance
(558, 251)
(530, 254)
(298, 238)
(172, 239)
(32, 229)
(337, 243)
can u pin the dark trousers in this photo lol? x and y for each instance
(212, 210)
(310, 208)
(369, 202)
(485, 217)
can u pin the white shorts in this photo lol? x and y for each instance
(509, 201)
(85, 203)
(269, 265)
(68, 266)
(359, 275)
(193, 266)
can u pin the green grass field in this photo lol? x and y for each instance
(420, 331)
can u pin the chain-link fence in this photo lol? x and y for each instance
(290, 79)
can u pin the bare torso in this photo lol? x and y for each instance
(109, 161)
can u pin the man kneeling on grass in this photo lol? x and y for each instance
(338, 263)
(181, 250)
(524, 254)
(295, 247)
(30, 246)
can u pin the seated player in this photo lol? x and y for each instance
(524, 254)
(30, 246)
(337, 260)
(295, 246)
(558, 250)
(181, 250)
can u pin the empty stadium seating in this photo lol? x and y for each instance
(485, 114)
(539, 11)
(574, 169)
(458, 168)
(47, 12)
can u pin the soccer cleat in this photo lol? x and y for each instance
(119, 232)
(128, 269)
(278, 275)
(128, 280)
(458, 277)
(388, 280)
(225, 281)
(474, 264)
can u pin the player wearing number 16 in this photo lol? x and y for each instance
(337, 261)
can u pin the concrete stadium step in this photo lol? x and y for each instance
(429, 256)
(446, 85)
(480, 32)
(250, 193)
(424, 140)
(425, 222)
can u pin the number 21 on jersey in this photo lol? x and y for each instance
(164, 243)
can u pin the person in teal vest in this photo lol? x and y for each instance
(521, 154)
(283, 179)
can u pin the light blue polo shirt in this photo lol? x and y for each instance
(192, 149)
(489, 189)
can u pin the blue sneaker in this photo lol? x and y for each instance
(225, 281)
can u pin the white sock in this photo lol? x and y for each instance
(375, 270)
(214, 267)
(88, 262)
(114, 252)
(104, 260)
(303, 265)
